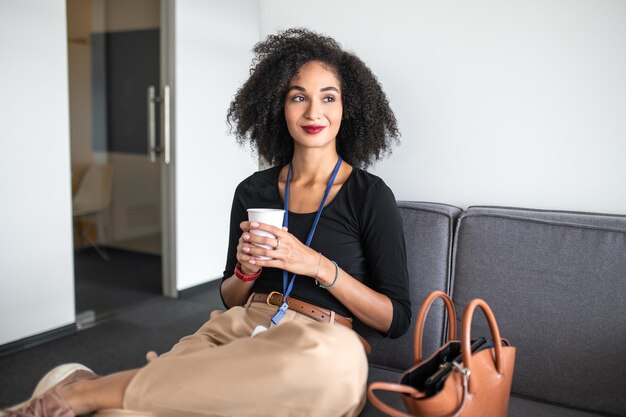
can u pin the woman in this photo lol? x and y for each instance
(318, 114)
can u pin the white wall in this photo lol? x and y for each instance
(213, 42)
(518, 103)
(36, 270)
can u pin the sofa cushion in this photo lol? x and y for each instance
(556, 283)
(522, 407)
(518, 407)
(428, 232)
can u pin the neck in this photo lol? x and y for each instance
(313, 166)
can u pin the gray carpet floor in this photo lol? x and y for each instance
(117, 343)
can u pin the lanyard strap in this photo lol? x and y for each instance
(288, 286)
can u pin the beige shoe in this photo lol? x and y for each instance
(57, 375)
(49, 380)
(50, 403)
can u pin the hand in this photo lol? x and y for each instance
(243, 251)
(288, 252)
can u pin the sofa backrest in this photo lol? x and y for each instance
(428, 233)
(556, 282)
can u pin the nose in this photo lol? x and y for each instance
(313, 111)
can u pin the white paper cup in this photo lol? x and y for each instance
(272, 217)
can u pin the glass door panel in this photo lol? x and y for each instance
(114, 60)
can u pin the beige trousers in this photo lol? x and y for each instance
(299, 368)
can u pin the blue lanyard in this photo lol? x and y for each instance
(287, 287)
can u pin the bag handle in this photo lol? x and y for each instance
(421, 319)
(466, 337)
(388, 386)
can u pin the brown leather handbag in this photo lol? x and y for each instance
(480, 385)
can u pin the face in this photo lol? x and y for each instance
(313, 107)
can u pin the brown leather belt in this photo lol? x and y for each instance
(318, 313)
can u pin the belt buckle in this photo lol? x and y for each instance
(269, 297)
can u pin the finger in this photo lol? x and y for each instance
(250, 239)
(277, 231)
(270, 242)
(269, 263)
(245, 258)
(245, 226)
(244, 251)
(241, 245)
(257, 251)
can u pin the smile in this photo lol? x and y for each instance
(313, 129)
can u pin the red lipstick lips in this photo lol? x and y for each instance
(313, 129)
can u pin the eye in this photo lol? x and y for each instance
(329, 99)
(298, 99)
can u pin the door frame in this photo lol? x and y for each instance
(168, 183)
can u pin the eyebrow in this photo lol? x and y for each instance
(299, 88)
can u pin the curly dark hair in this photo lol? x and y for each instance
(256, 114)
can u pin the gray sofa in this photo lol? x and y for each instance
(556, 282)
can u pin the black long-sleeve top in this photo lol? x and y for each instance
(360, 229)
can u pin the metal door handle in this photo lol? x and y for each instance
(166, 123)
(152, 99)
(152, 150)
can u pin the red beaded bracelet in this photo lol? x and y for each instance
(245, 277)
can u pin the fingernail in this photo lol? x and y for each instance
(254, 224)
(246, 236)
(252, 261)
(246, 249)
